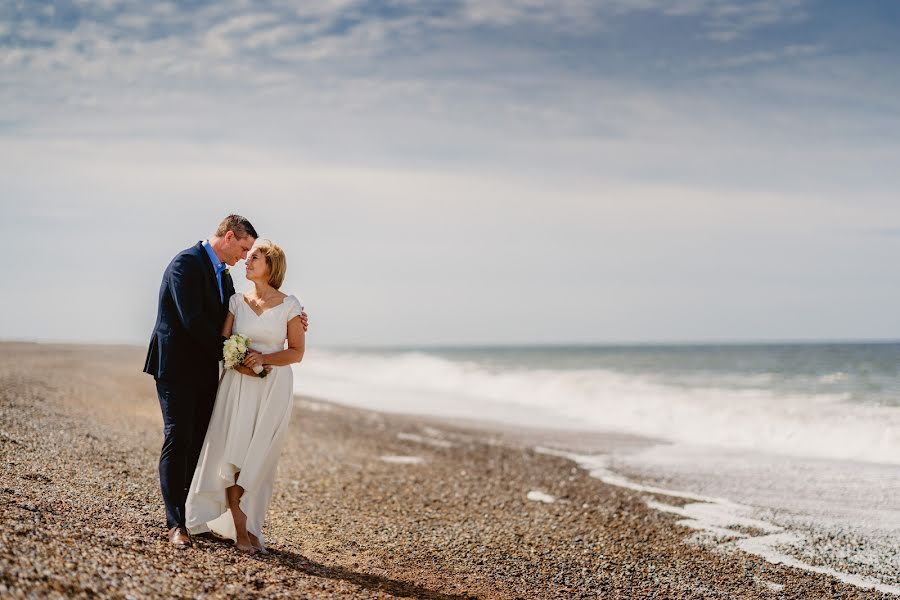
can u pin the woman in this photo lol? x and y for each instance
(232, 484)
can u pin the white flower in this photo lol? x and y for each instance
(234, 350)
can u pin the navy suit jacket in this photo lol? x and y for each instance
(186, 343)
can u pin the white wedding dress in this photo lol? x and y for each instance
(247, 428)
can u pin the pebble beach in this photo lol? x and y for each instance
(366, 505)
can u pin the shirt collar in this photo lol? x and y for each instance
(218, 265)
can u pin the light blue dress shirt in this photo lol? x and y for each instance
(218, 265)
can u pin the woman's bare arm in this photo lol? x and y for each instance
(296, 337)
(229, 324)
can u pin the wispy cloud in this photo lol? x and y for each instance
(420, 81)
(728, 20)
(414, 81)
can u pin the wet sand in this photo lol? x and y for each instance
(367, 505)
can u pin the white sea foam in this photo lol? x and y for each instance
(766, 547)
(539, 496)
(421, 439)
(403, 460)
(813, 425)
(775, 587)
(717, 518)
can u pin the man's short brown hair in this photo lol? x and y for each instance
(239, 225)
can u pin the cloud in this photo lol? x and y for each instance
(235, 31)
(785, 54)
(562, 14)
(723, 35)
(422, 82)
(275, 36)
(723, 20)
(744, 15)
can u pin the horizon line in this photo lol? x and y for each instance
(513, 345)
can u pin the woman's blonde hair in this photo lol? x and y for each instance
(275, 260)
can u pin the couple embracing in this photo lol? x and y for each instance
(223, 435)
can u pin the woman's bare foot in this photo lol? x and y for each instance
(242, 541)
(244, 546)
(257, 544)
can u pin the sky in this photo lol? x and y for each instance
(461, 172)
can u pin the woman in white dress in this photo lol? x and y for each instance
(232, 485)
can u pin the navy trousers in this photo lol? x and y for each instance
(186, 410)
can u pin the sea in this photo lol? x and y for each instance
(798, 443)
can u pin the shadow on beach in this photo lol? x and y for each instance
(368, 581)
(301, 564)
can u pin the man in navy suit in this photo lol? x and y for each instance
(184, 354)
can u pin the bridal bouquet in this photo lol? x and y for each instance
(235, 350)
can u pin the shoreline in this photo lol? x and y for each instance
(367, 504)
(725, 521)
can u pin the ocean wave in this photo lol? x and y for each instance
(821, 425)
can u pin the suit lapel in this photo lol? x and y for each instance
(208, 268)
(227, 288)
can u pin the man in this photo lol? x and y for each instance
(184, 354)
